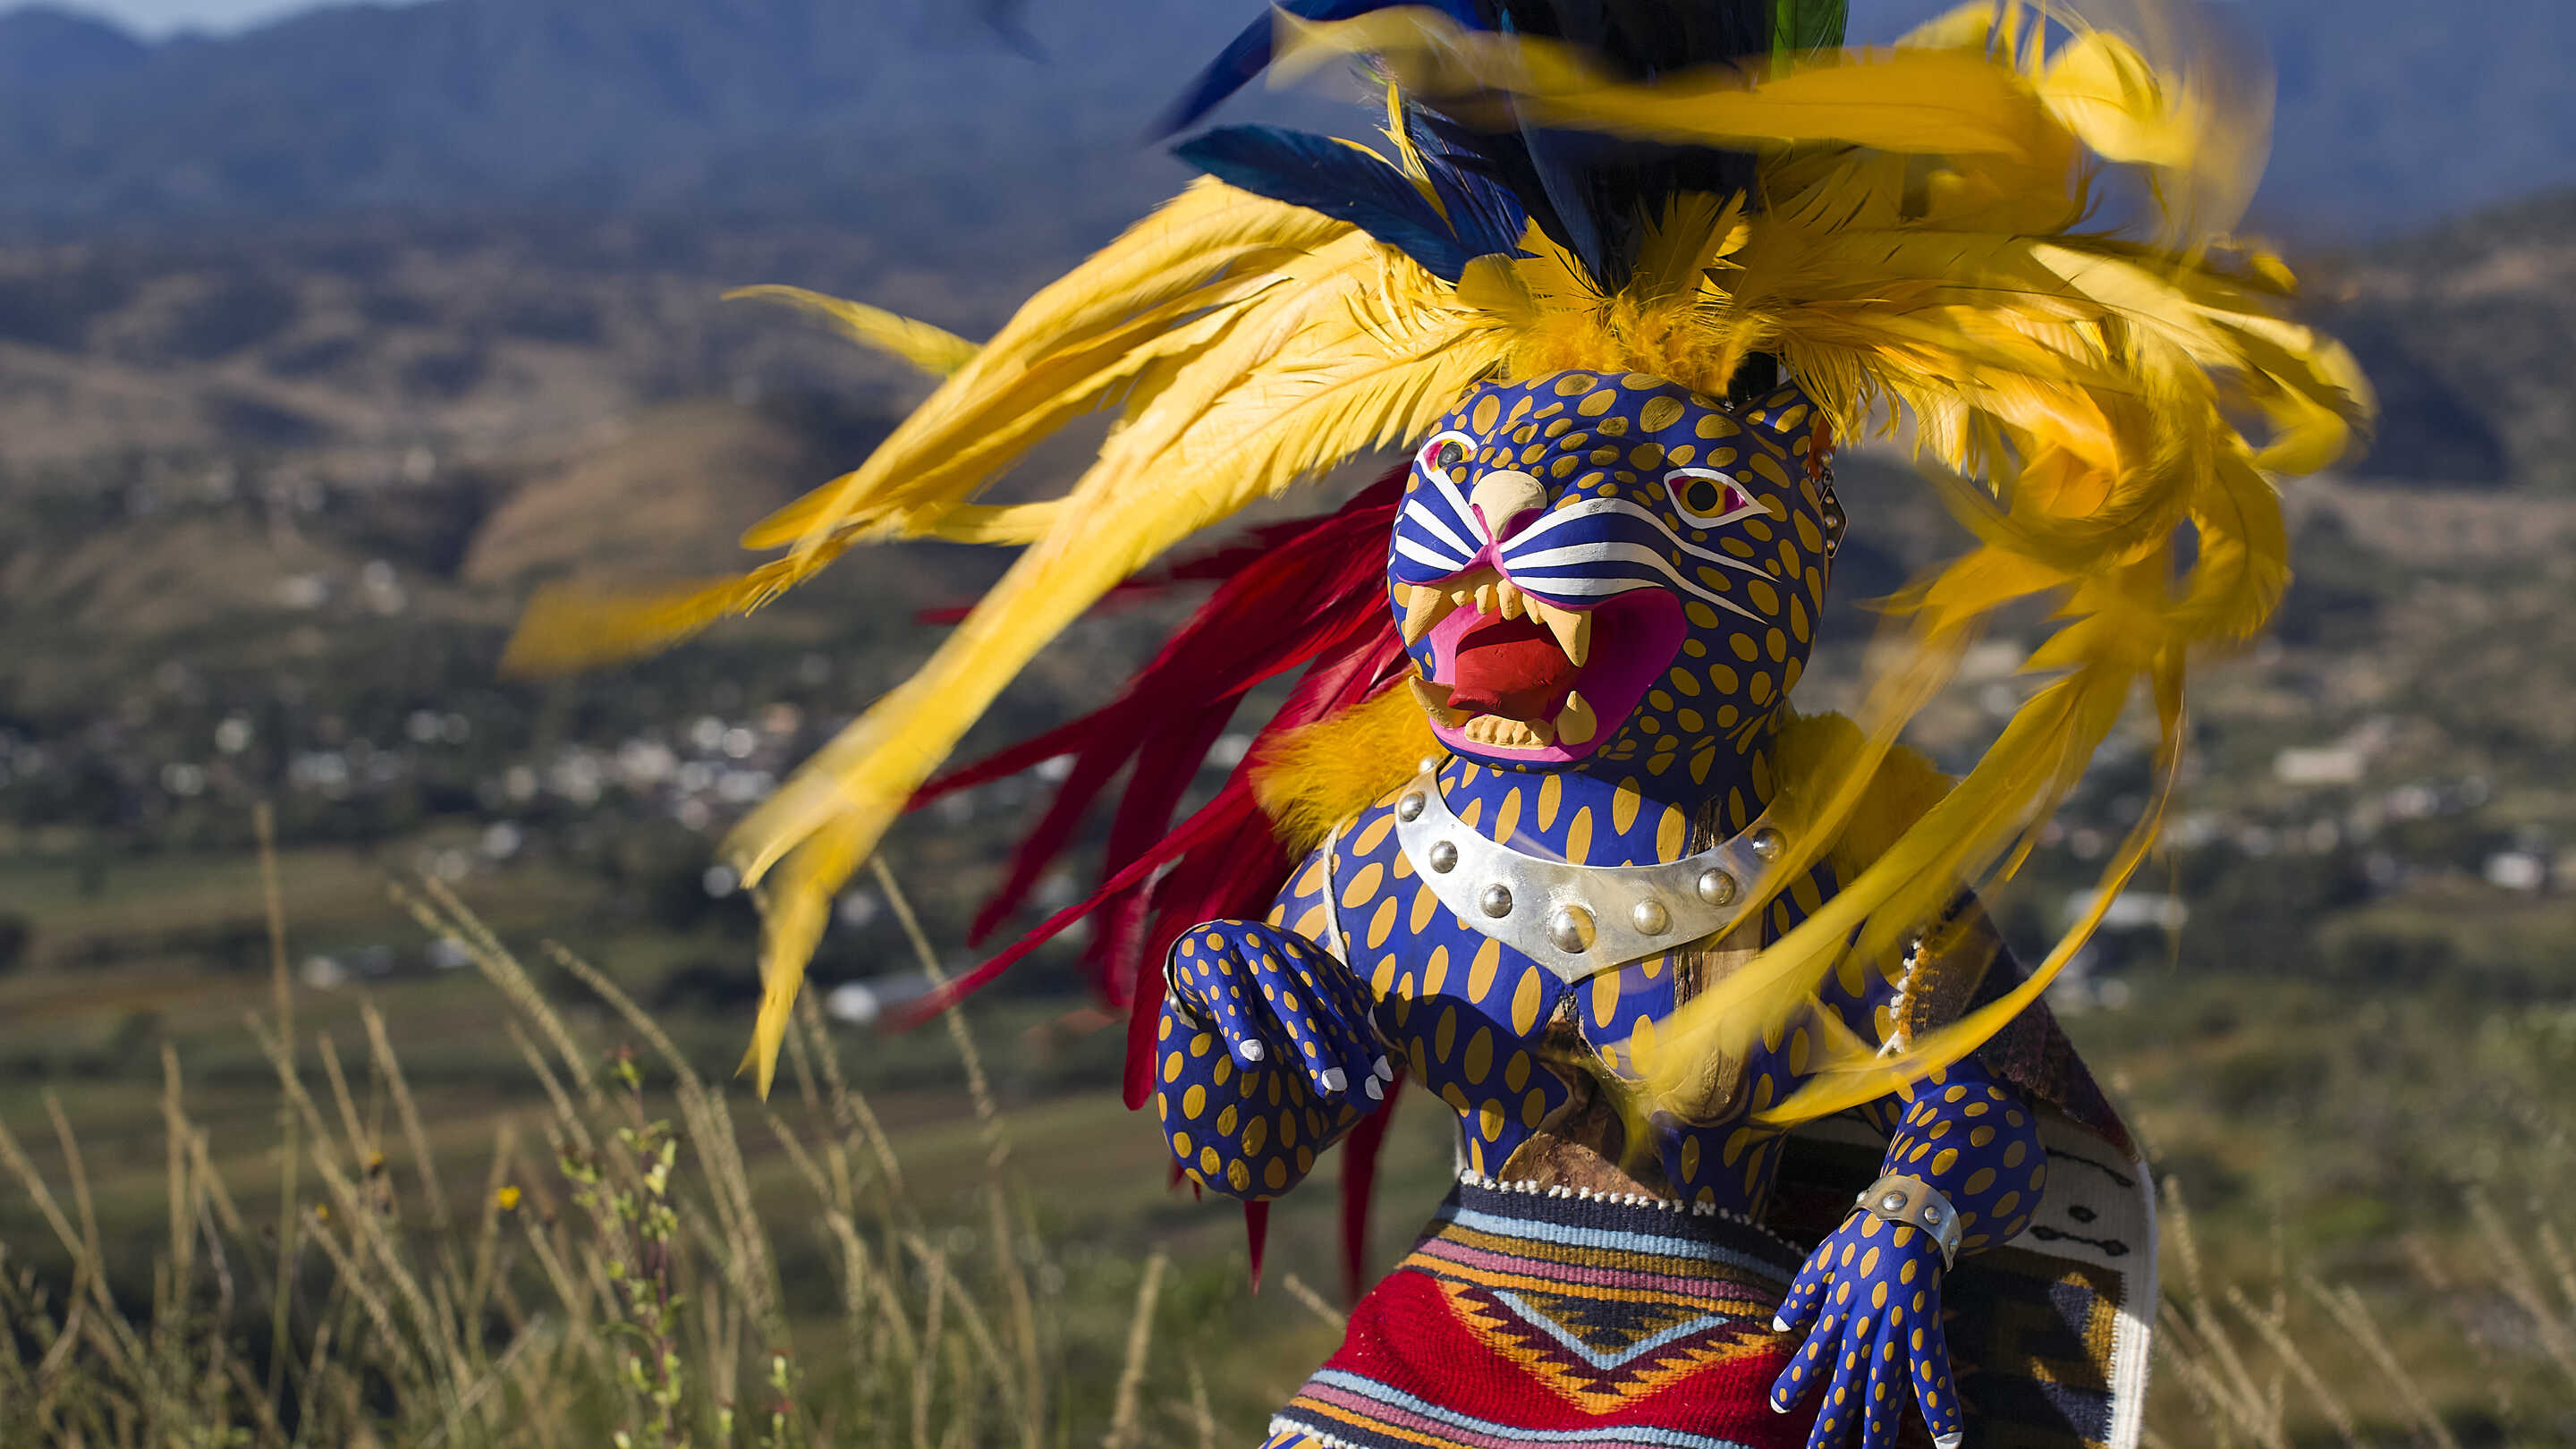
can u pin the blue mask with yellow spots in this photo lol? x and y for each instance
(1612, 567)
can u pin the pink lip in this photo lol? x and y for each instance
(1635, 636)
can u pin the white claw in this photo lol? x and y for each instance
(1385, 1070)
(1375, 1092)
(1334, 1081)
(1254, 1051)
(1950, 1440)
(1779, 1324)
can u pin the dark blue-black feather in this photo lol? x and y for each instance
(1593, 195)
(1337, 180)
(1249, 54)
(1486, 217)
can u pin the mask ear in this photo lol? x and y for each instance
(1785, 416)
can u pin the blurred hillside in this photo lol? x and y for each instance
(269, 503)
(292, 416)
(268, 506)
(2463, 329)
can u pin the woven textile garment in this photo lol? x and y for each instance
(1529, 1317)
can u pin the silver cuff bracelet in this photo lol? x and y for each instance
(1917, 1204)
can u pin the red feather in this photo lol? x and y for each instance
(1307, 594)
(1359, 1182)
(1256, 1235)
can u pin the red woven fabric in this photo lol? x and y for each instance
(1521, 1315)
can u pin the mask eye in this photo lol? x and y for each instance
(1707, 498)
(1445, 452)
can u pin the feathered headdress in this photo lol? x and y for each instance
(1919, 235)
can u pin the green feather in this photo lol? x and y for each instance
(1799, 26)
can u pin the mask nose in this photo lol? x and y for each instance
(1507, 499)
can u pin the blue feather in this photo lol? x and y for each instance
(1567, 185)
(1486, 218)
(1337, 180)
(1249, 54)
(1595, 195)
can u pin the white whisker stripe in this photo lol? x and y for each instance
(1424, 554)
(1631, 553)
(1440, 479)
(1429, 522)
(1598, 506)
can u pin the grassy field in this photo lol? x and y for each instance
(504, 1204)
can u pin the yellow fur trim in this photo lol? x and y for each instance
(1319, 775)
(1803, 750)
(1324, 774)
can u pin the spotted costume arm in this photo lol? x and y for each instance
(1268, 1051)
(1869, 1298)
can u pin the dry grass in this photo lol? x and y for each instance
(609, 1280)
(2313, 1359)
(609, 1284)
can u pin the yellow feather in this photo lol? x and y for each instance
(1863, 1074)
(794, 908)
(1072, 342)
(924, 346)
(1919, 256)
(1695, 231)
(1408, 157)
(574, 626)
(1923, 101)
(1168, 287)
(1353, 348)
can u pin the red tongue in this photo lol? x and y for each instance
(1512, 668)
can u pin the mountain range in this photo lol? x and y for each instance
(910, 118)
(918, 125)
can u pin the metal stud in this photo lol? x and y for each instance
(1931, 1215)
(1569, 929)
(1767, 844)
(1444, 856)
(1409, 808)
(1650, 918)
(1496, 901)
(1894, 1202)
(1716, 887)
(1428, 764)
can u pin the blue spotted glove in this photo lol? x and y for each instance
(1275, 997)
(1872, 1291)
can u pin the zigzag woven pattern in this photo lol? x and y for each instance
(1532, 1318)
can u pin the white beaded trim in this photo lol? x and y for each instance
(1615, 1199)
(1285, 1425)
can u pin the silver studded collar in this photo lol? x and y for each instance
(1575, 920)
